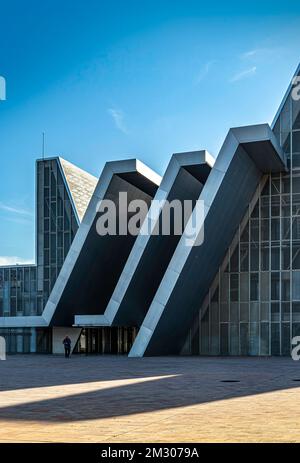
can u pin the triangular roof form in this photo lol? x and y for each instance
(81, 186)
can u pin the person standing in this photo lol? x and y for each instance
(67, 345)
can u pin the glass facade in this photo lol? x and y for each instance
(108, 340)
(56, 221)
(24, 290)
(253, 305)
(18, 291)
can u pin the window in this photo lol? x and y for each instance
(296, 142)
(265, 286)
(254, 287)
(244, 257)
(265, 230)
(275, 258)
(285, 286)
(285, 229)
(296, 285)
(275, 229)
(275, 280)
(254, 257)
(285, 311)
(265, 208)
(234, 287)
(265, 254)
(275, 206)
(296, 255)
(244, 287)
(254, 230)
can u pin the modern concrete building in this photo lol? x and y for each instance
(238, 293)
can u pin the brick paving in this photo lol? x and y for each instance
(174, 399)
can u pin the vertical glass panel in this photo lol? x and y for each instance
(265, 229)
(244, 257)
(244, 287)
(285, 228)
(254, 311)
(265, 286)
(275, 339)
(285, 256)
(266, 189)
(204, 328)
(275, 281)
(296, 311)
(254, 287)
(234, 260)
(275, 312)
(275, 229)
(286, 184)
(265, 256)
(296, 255)
(275, 206)
(296, 142)
(264, 339)
(254, 257)
(295, 114)
(224, 312)
(275, 186)
(244, 339)
(265, 207)
(244, 312)
(234, 339)
(286, 205)
(214, 339)
(224, 339)
(234, 287)
(234, 312)
(275, 257)
(285, 286)
(245, 234)
(214, 310)
(296, 285)
(265, 312)
(285, 312)
(254, 230)
(255, 212)
(296, 204)
(254, 339)
(296, 228)
(225, 287)
(285, 339)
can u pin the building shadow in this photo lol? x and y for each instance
(188, 381)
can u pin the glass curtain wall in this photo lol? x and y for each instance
(253, 305)
(56, 222)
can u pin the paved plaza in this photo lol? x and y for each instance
(163, 399)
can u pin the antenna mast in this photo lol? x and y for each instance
(43, 145)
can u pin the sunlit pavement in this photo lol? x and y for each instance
(175, 399)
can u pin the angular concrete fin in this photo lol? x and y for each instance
(247, 153)
(183, 180)
(94, 262)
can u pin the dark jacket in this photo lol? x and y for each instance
(67, 342)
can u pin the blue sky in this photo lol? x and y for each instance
(117, 79)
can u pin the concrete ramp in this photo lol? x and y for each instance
(247, 154)
(94, 263)
(151, 254)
